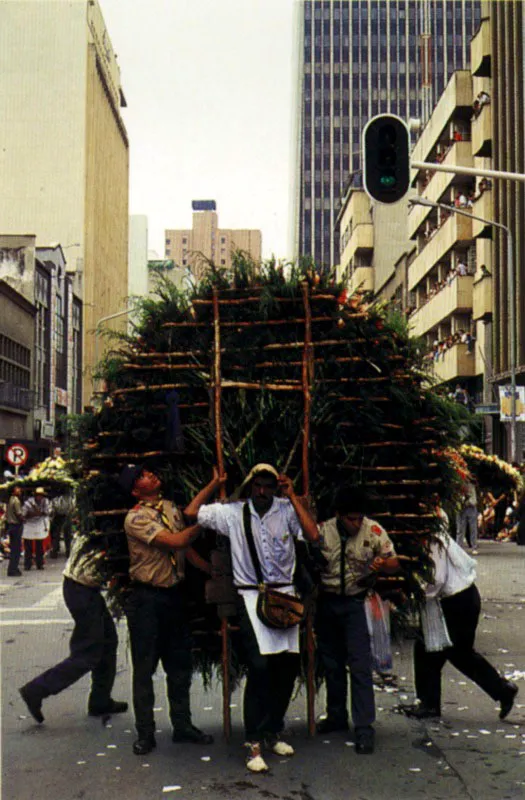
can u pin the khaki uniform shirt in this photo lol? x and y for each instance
(147, 563)
(14, 511)
(82, 565)
(372, 540)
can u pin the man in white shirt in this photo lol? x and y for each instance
(454, 588)
(272, 655)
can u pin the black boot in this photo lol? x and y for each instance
(144, 745)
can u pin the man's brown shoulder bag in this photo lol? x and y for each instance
(275, 609)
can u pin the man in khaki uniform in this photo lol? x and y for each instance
(155, 608)
(354, 547)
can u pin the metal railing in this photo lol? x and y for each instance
(16, 396)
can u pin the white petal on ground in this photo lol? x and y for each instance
(205, 758)
(414, 769)
(171, 788)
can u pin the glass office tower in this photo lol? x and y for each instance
(359, 58)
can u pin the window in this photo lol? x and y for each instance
(168, 241)
(59, 325)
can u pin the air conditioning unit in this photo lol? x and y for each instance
(48, 430)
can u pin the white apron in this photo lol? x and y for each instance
(270, 641)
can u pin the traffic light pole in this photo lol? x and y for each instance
(423, 201)
(485, 173)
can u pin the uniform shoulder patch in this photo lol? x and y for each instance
(139, 517)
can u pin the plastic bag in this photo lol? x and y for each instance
(378, 620)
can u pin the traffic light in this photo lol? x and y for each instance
(386, 158)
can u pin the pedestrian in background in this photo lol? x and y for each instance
(36, 513)
(94, 641)
(61, 521)
(14, 529)
(467, 518)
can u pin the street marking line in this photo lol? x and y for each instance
(16, 610)
(6, 623)
(51, 600)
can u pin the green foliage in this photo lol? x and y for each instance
(374, 420)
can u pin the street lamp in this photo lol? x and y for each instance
(98, 330)
(423, 201)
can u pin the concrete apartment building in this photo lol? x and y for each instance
(500, 58)
(358, 58)
(40, 346)
(64, 158)
(205, 241)
(452, 280)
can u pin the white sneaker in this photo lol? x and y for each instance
(255, 762)
(282, 748)
(474, 552)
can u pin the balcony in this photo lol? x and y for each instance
(483, 207)
(482, 133)
(362, 279)
(455, 298)
(16, 397)
(457, 95)
(457, 228)
(482, 298)
(455, 364)
(480, 50)
(459, 155)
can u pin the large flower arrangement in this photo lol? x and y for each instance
(489, 470)
(55, 474)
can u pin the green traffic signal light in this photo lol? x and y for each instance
(387, 181)
(386, 146)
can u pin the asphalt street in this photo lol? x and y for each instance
(470, 753)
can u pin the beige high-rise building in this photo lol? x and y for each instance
(64, 159)
(194, 248)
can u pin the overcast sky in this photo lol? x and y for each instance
(209, 90)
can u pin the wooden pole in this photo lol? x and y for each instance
(225, 634)
(307, 380)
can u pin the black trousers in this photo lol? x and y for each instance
(28, 553)
(60, 526)
(14, 531)
(269, 684)
(343, 639)
(93, 648)
(461, 613)
(158, 631)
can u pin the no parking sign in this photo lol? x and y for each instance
(17, 456)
